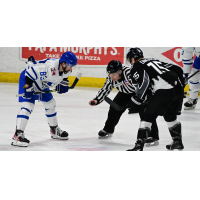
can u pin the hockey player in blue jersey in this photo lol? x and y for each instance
(37, 77)
(194, 82)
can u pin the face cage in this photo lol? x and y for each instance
(128, 61)
(73, 67)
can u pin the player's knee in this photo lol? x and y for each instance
(196, 77)
(170, 118)
(149, 118)
(50, 104)
(27, 107)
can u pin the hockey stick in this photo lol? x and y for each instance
(186, 80)
(71, 87)
(188, 92)
(114, 105)
(76, 81)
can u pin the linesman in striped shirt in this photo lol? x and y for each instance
(119, 77)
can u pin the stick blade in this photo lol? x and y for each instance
(79, 76)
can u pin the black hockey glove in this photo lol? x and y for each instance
(134, 102)
(31, 59)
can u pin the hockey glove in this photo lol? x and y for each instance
(134, 102)
(28, 92)
(63, 87)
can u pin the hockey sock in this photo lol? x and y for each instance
(50, 112)
(23, 115)
(144, 130)
(194, 84)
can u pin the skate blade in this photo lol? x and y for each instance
(19, 144)
(190, 108)
(156, 143)
(106, 137)
(174, 149)
(60, 138)
(134, 150)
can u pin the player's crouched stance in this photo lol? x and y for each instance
(167, 96)
(40, 76)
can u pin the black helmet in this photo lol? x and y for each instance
(135, 53)
(114, 66)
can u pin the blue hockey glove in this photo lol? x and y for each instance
(63, 87)
(28, 92)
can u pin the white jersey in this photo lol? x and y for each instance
(187, 57)
(45, 74)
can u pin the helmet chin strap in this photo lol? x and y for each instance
(120, 74)
(65, 71)
(64, 68)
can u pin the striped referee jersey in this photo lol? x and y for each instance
(124, 85)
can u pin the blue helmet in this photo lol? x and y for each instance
(69, 58)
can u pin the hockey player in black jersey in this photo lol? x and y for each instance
(120, 78)
(166, 99)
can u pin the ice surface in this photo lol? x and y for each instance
(83, 123)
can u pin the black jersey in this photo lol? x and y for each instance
(153, 74)
(124, 85)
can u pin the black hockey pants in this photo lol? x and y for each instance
(166, 103)
(114, 116)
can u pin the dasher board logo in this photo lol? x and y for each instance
(85, 55)
(175, 55)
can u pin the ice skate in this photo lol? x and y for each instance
(139, 145)
(191, 104)
(19, 139)
(57, 133)
(175, 145)
(151, 142)
(103, 134)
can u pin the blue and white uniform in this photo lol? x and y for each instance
(45, 74)
(187, 58)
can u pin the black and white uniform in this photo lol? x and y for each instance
(126, 86)
(166, 87)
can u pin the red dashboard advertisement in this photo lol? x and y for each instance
(85, 55)
(174, 55)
